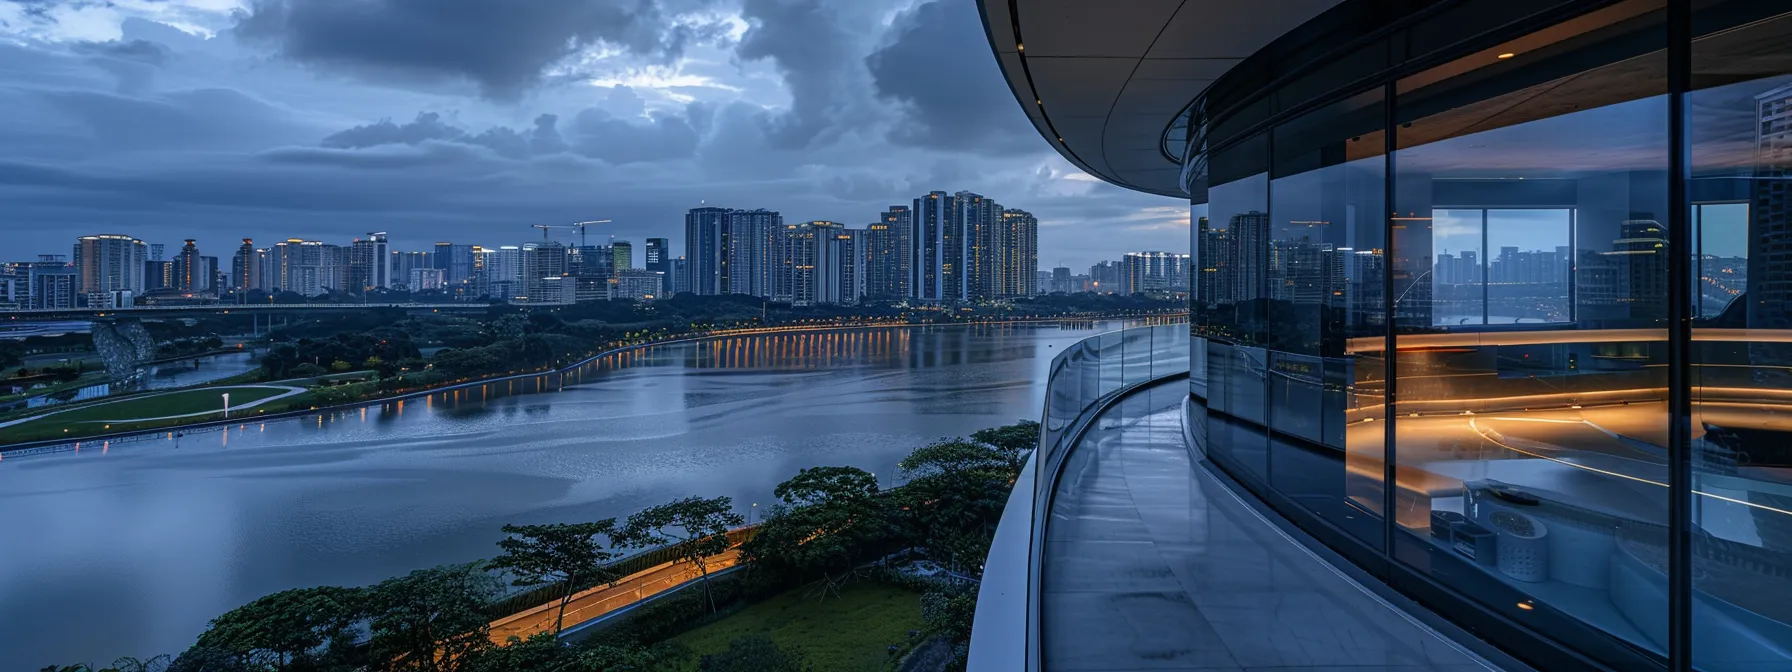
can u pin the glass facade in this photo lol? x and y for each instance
(1509, 322)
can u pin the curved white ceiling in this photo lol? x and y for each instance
(1108, 76)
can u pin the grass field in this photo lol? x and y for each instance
(848, 633)
(128, 414)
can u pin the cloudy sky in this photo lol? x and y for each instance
(469, 120)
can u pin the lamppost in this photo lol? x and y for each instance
(226, 405)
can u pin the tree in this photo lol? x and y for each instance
(698, 528)
(1014, 442)
(825, 485)
(11, 353)
(956, 498)
(953, 456)
(827, 518)
(431, 620)
(949, 613)
(755, 653)
(567, 553)
(296, 628)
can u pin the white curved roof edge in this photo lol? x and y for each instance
(1101, 80)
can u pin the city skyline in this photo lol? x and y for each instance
(174, 120)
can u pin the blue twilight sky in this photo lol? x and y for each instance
(470, 120)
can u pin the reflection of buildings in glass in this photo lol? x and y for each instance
(1721, 280)
(1213, 284)
(1228, 275)
(1640, 257)
(1770, 216)
(1250, 232)
(1303, 271)
(1363, 270)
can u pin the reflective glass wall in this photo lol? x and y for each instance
(1443, 332)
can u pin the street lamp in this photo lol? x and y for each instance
(226, 405)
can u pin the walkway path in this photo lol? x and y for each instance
(290, 390)
(1150, 564)
(604, 599)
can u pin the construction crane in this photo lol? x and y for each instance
(581, 227)
(544, 229)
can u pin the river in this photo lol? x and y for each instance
(129, 548)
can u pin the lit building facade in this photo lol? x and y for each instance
(108, 263)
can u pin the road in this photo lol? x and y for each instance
(604, 599)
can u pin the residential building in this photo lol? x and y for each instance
(656, 257)
(504, 273)
(680, 276)
(427, 279)
(622, 255)
(889, 254)
(370, 263)
(1154, 273)
(1017, 255)
(110, 262)
(544, 264)
(637, 284)
(456, 262)
(933, 274)
(51, 282)
(705, 250)
(245, 267)
(189, 275)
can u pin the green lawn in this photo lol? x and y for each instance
(848, 633)
(123, 415)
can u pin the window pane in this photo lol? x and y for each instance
(1233, 255)
(1742, 336)
(1530, 418)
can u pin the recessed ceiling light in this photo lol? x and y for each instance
(1507, 55)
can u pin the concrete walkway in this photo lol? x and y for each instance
(1150, 564)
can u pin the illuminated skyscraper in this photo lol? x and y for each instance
(110, 262)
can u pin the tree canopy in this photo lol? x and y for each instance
(696, 526)
(564, 553)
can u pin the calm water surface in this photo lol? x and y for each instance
(129, 548)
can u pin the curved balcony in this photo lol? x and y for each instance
(1120, 550)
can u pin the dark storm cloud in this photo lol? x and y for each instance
(939, 71)
(503, 46)
(811, 47)
(599, 135)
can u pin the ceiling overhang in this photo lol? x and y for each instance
(1101, 81)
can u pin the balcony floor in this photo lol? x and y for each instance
(1150, 564)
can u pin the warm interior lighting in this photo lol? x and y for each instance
(1525, 606)
(1507, 55)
